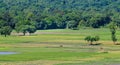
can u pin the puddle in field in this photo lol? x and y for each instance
(7, 53)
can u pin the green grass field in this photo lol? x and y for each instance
(44, 48)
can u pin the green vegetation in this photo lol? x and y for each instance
(26, 26)
(92, 39)
(44, 48)
(72, 21)
(6, 30)
(57, 14)
(113, 32)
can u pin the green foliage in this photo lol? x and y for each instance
(81, 24)
(99, 20)
(61, 14)
(6, 30)
(113, 31)
(26, 26)
(31, 29)
(91, 39)
(87, 38)
(97, 38)
(72, 24)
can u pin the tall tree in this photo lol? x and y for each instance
(6, 30)
(25, 26)
(113, 32)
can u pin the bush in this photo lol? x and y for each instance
(91, 39)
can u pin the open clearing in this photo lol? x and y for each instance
(60, 47)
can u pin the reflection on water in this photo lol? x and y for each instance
(7, 53)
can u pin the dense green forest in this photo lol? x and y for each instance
(31, 15)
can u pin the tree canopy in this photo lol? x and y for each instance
(53, 14)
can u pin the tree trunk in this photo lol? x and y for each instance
(90, 43)
(114, 43)
(5, 35)
(24, 33)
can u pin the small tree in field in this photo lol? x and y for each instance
(87, 38)
(113, 32)
(92, 39)
(97, 38)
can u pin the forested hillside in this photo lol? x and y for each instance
(29, 15)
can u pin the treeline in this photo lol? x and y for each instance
(31, 15)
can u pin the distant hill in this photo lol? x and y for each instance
(52, 14)
(98, 5)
